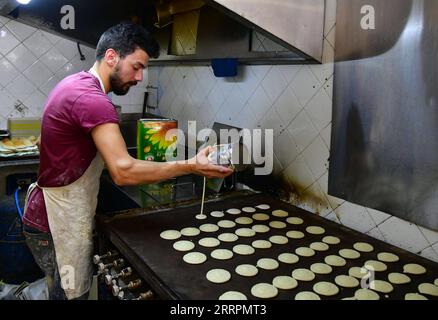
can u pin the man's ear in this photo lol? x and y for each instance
(111, 57)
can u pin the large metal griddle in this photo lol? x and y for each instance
(137, 236)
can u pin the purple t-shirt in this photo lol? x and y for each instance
(74, 107)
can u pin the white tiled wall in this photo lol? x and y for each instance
(32, 62)
(296, 101)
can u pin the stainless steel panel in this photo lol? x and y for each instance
(384, 152)
(296, 24)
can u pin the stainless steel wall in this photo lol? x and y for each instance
(384, 149)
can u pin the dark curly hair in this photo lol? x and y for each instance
(125, 38)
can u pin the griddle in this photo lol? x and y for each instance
(137, 236)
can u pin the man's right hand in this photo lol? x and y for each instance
(201, 166)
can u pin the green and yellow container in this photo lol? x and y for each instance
(152, 144)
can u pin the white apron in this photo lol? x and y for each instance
(70, 211)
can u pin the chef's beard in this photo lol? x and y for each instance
(119, 87)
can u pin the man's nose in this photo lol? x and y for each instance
(139, 76)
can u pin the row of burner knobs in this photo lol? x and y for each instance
(115, 277)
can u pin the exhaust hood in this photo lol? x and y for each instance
(195, 31)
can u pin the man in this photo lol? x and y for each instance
(80, 133)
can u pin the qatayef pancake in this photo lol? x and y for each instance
(263, 206)
(280, 213)
(170, 234)
(331, 240)
(233, 295)
(195, 257)
(246, 270)
(414, 268)
(183, 245)
(264, 291)
(190, 232)
(218, 275)
(217, 214)
(307, 295)
(294, 220)
(284, 282)
(233, 211)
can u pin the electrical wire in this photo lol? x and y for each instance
(17, 204)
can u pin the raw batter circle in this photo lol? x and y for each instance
(209, 227)
(293, 234)
(248, 209)
(331, 240)
(280, 213)
(277, 224)
(243, 249)
(217, 214)
(346, 281)
(246, 270)
(170, 234)
(222, 254)
(264, 291)
(260, 216)
(307, 295)
(302, 274)
(319, 246)
(183, 245)
(414, 268)
(335, 261)
(436, 282)
(387, 257)
(284, 282)
(288, 258)
(209, 242)
(263, 206)
(381, 286)
(294, 220)
(325, 288)
(429, 289)
(278, 239)
(260, 228)
(398, 278)
(244, 220)
(201, 216)
(414, 296)
(321, 268)
(358, 272)
(190, 232)
(375, 265)
(349, 254)
(305, 252)
(218, 276)
(227, 237)
(366, 294)
(226, 224)
(261, 244)
(245, 232)
(232, 295)
(195, 257)
(315, 230)
(363, 247)
(233, 211)
(267, 264)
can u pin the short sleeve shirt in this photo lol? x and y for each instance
(74, 107)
